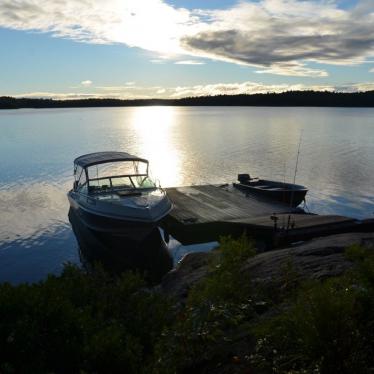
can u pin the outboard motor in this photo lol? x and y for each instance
(244, 178)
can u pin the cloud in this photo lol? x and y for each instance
(277, 36)
(255, 88)
(241, 88)
(282, 35)
(116, 88)
(126, 91)
(158, 61)
(86, 83)
(139, 92)
(295, 69)
(371, 70)
(189, 62)
(362, 87)
(149, 24)
(201, 90)
(60, 96)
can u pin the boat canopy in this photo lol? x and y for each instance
(105, 157)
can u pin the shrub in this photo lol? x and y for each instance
(92, 322)
(225, 282)
(327, 329)
(79, 322)
(215, 308)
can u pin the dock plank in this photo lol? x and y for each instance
(211, 203)
(205, 212)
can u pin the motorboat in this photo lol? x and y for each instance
(288, 193)
(114, 193)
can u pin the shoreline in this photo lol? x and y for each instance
(309, 99)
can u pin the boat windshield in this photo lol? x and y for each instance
(117, 176)
(119, 168)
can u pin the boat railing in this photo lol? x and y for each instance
(118, 176)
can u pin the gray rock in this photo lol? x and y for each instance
(191, 269)
(316, 259)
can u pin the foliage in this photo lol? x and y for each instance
(94, 323)
(327, 329)
(79, 322)
(215, 308)
(225, 282)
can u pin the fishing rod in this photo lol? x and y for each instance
(297, 158)
(296, 166)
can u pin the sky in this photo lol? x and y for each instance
(70, 49)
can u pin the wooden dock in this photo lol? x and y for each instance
(203, 213)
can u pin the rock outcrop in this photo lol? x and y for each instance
(192, 268)
(316, 259)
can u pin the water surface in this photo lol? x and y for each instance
(185, 145)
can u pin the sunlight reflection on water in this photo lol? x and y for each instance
(184, 146)
(154, 128)
(31, 207)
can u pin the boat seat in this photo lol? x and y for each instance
(244, 178)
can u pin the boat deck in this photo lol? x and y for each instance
(205, 212)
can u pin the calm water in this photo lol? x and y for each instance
(184, 146)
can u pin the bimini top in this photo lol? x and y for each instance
(104, 157)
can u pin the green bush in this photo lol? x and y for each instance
(327, 329)
(79, 322)
(93, 323)
(225, 283)
(215, 308)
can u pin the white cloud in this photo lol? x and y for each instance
(189, 62)
(139, 92)
(116, 88)
(86, 83)
(254, 88)
(241, 88)
(295, 69)
(371, 70)
(60, 95)
(157, 61)
(277, 36)
(148, 24)
(369, 86)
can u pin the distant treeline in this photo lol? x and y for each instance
(290, 98)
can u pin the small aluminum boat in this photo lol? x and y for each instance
(113, 193)
(288, 193)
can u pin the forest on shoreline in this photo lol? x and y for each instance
(284, 99)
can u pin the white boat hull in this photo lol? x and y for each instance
(131, 217)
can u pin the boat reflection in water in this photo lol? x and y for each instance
(118, 253)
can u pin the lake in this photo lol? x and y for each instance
(185, 145)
